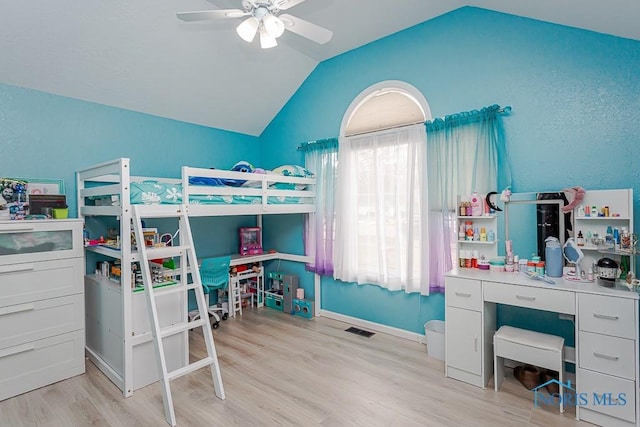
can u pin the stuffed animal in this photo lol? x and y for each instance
(575, 195)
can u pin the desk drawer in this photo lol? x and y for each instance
(609, 355)
(607, 395)
(27, 282)
(32, 365)
(32, 241)
(531, 297)
(463, 293)
(40, 319)
(607, 315)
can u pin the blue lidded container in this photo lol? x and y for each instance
(553, 257)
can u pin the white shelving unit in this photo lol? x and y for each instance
(619, 203)
(488, 249)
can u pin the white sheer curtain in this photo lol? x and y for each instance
(381, 210)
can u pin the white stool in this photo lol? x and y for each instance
(534, 348)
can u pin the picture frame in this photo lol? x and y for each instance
(44, 186)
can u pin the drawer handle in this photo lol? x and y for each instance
(605, 356)
(475, 344)
(462, 294)
(16, 229)
(525, 298)
(17, 350)
(605, 316)
(16, 309)
(12, 269)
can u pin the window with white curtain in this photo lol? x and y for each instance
(381, 196)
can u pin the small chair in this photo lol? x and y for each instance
(214, 274)
(534, 348)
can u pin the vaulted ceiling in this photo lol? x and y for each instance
(137, 55)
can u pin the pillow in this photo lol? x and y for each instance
(291, 170)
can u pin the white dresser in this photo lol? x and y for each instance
(606, 336)
(41, 304)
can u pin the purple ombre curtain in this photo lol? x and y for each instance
(321, 158)
(462, 156)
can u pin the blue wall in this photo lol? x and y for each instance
(48, 136)
(575, 120)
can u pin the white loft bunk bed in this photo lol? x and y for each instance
(118, 338)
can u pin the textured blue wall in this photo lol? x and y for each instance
(575, 120)
(48, 136)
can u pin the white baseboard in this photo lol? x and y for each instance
(377, 327)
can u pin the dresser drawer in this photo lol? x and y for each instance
(531, 297)
(607, 395)
(31, 241)
(463, 293)
(609, 355)
(32, 321)
(607, 315)
(28, 282)
(28, 366)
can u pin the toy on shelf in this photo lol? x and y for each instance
(250, 241)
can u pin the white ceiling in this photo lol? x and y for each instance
(137, 55)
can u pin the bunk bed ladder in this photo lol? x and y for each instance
(188, 266)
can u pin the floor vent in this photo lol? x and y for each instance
(361, 332)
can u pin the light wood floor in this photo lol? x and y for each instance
(284, 370)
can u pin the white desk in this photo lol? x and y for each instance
(606, 335)
(238, 259)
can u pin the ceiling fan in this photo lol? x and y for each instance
(264, 16)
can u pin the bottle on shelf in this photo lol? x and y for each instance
(580, 239)
(608, 238)
(468, 230)
(483, 234)
(476, 204)
(625, 238)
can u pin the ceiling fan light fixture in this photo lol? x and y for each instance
(266, 40)
(247, 29)
(273, 25)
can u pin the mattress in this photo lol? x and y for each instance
(158, 192)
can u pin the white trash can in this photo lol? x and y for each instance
(434, 331)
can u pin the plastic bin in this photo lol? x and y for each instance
(434, 331)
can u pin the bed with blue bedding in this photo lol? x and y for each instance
(205, 191)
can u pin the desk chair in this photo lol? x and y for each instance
(214, 273)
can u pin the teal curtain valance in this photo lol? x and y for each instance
(320, 144)
(467, 117)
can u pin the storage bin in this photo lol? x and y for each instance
(434, 331)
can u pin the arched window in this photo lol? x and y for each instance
(385, 105)
(381, 196)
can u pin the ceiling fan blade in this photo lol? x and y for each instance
(286, 4)
(306, 29)
(205, 15)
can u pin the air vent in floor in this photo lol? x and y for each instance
(361, 332)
